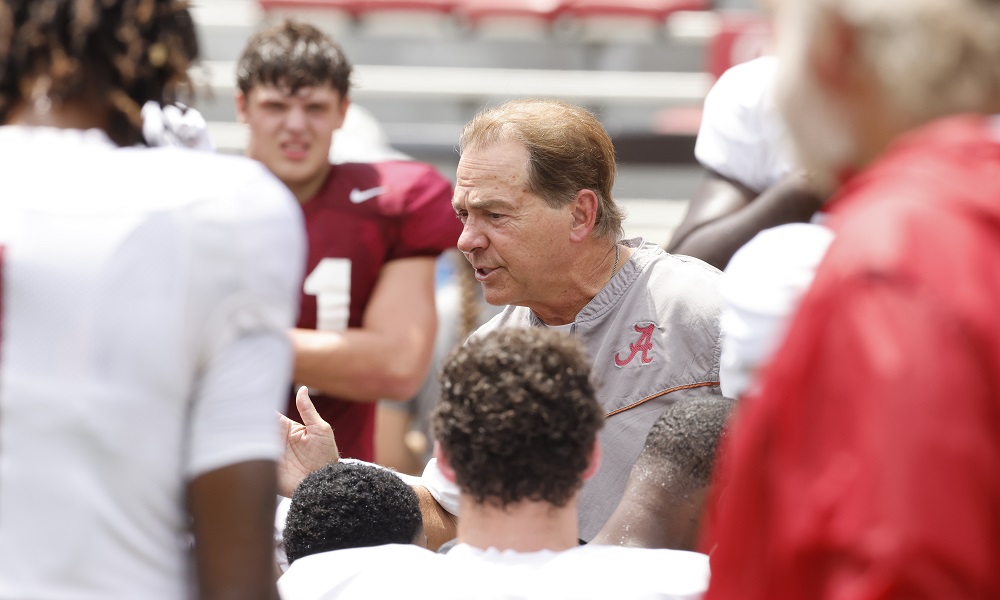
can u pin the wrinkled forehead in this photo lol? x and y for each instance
(503, 161)
(492, 171)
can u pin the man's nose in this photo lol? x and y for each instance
(295, 119)
(472, 237)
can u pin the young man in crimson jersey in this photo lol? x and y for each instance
(367, 320)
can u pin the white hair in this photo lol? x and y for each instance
(933, 57)
(820, 130)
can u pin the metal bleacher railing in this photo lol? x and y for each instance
(473, 86)
(610, 88)
(423, 67)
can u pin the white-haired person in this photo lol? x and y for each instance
(868, 464)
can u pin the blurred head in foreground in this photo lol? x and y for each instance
(350, 505)
(92, 63)
(855, 74)
(517, 420)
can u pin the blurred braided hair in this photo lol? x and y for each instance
(119, 53)
(470, 299)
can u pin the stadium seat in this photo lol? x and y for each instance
(333, 16)
(271, 6)
(742, 36)
(430, 19)
(510, 18)
(678, 120)
(394, 18)
(541, 9)
(652, 9)
(360, 7)
(627, 20)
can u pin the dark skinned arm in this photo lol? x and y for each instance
(723, 215)
(440, 525)
(232, 511)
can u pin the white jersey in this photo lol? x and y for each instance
(146, 297)
(468, 573)
(742, 135)
(761, 288)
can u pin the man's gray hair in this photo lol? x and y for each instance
(568, 151)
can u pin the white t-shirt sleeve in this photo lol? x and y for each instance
(257, 243)
(761, 289)
(444, 491)
(742, 136)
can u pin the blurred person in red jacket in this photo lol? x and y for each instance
(868, 464)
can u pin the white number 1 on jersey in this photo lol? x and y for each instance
(330, 282)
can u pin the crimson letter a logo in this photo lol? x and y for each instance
(644, 345)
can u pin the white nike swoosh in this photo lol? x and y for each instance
(359, 196)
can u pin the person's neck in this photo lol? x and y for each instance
(649, 517)
(876, 120)
(584, 279)
(527, 526)
(306, 190)
(66, 115)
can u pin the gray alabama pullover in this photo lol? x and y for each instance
(653, 335)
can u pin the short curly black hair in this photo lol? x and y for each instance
(683, 441)
(293, 54)
(517, 418)
(350, 505)
(122, 53)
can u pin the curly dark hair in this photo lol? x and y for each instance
(292, 55)
(119, 53)
(684, 440)
(517, 418)
(350, 505)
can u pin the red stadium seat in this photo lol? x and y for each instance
(380, 18)
(511, 19)
(439, 6)
(425, 19)
(678, 120)
(280, 5)
(742, 36)
(652, 9)
(360, 7)
(475, 10)
(627, 20)
(332, 16)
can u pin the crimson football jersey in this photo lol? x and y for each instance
(370, 214)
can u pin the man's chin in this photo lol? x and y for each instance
(495, 299)
(496, 295)
(824, 177)
(302, 172)
(824, 149)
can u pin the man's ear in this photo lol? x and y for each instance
(584, 215)
(241, 106)
(595, 461)
(444, 465)
(833, 54)
(345, 103)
